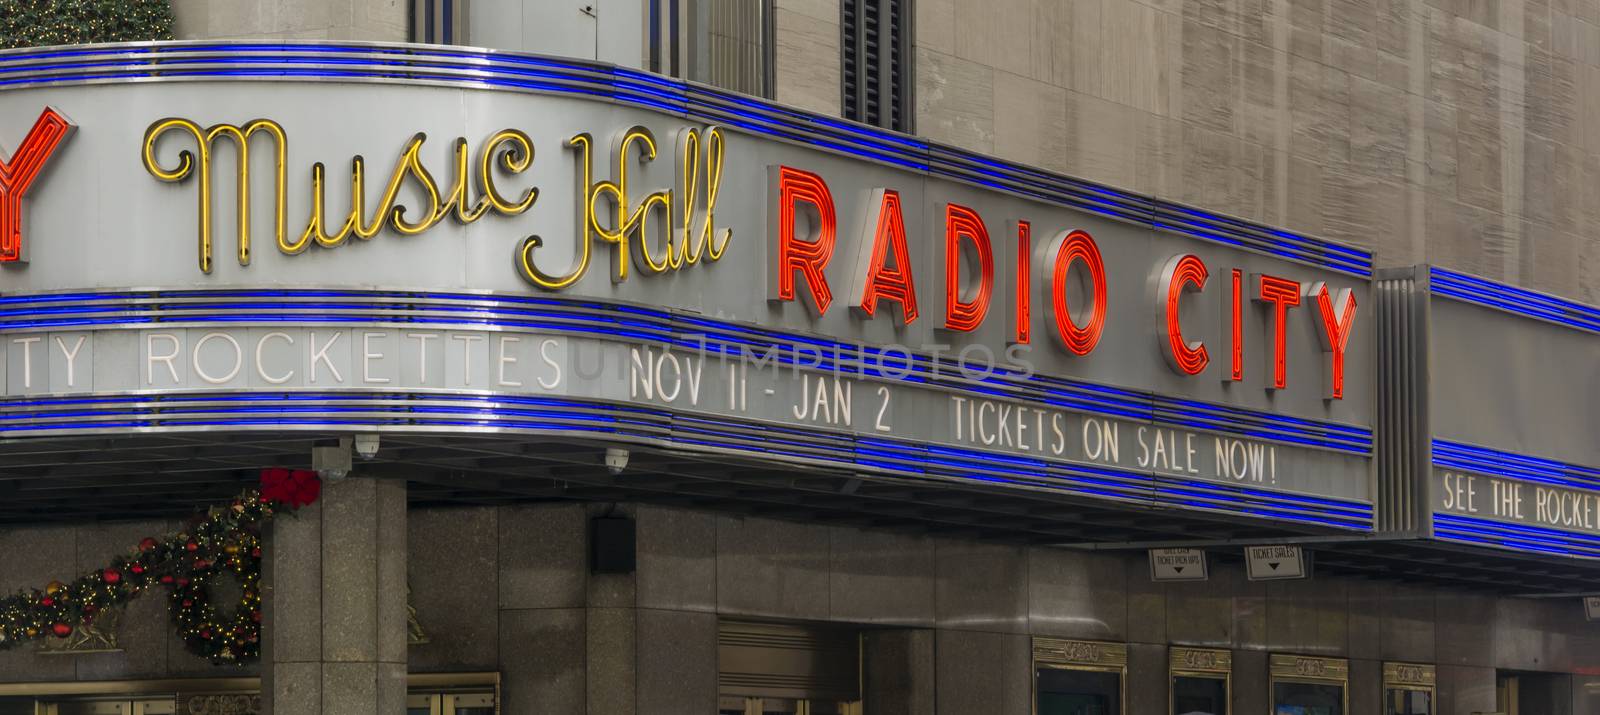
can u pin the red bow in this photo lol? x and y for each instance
(294, 488)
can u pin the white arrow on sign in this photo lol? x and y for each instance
(1177, 565)
(1270, 563)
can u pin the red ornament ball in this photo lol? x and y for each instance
(47, 601)
(148, 544)
(191, 547)
(61, 630)
(136, 569)
(112, 576)
(201, 564)
(188, 603)
(205, 634)
(183, 583)
(167, 578)
(256, 552)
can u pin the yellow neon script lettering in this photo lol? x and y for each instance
(585, 146)
(691, 233)
(514, 148)
(204, 139)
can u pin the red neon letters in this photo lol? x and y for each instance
(965, 315)
(18, 173)
(1335, 335)
(1282, 294)
(1024, 306)
(808, 257)
(1236, 327)
(1076, 297)
(895, 283)
(1068, 248)
(1180, 275)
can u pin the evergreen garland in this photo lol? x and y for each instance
(223, 542)
(36, 23)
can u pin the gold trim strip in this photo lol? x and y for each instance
(1200, 660)
(1307, 667)
(1070, 652)
(1409, 674)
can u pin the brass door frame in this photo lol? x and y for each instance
(1207, 663)
(1415, 677)
(1312, 670)
(1089, 656)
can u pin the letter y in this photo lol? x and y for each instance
(18, 172)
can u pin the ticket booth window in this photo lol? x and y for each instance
(1078, 677)
(1308, 686)
(1201, 681)
(1408, 689)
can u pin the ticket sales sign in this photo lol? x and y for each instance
(184, 239)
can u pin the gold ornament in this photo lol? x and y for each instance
(231, 549)
(54, 587)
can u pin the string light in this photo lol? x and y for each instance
(224, 542)
(36, 23)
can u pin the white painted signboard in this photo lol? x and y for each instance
(1177, 565)
(1272, 563)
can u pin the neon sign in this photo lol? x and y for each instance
(688, 209)
(1069, 269)
(19, 172)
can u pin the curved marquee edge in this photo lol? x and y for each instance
(420, 413)
(1468, 288)
(1481, 532)
(459, 66)
(639, 323)
(1483, 460)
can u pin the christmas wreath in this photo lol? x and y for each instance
(223, 542)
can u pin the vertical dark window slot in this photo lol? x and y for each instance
(874, 59)
(447, 18)
(896, 118)
(672, 19)
(655, 35)
(851, 31)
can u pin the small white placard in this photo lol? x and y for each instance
(1177, 564)
(1270, 563)
(1591, 607)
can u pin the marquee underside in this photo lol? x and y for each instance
(45, 481)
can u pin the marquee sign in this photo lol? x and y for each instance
(1494, 465)
(563, 265)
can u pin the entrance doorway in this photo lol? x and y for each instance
(1528, 693)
